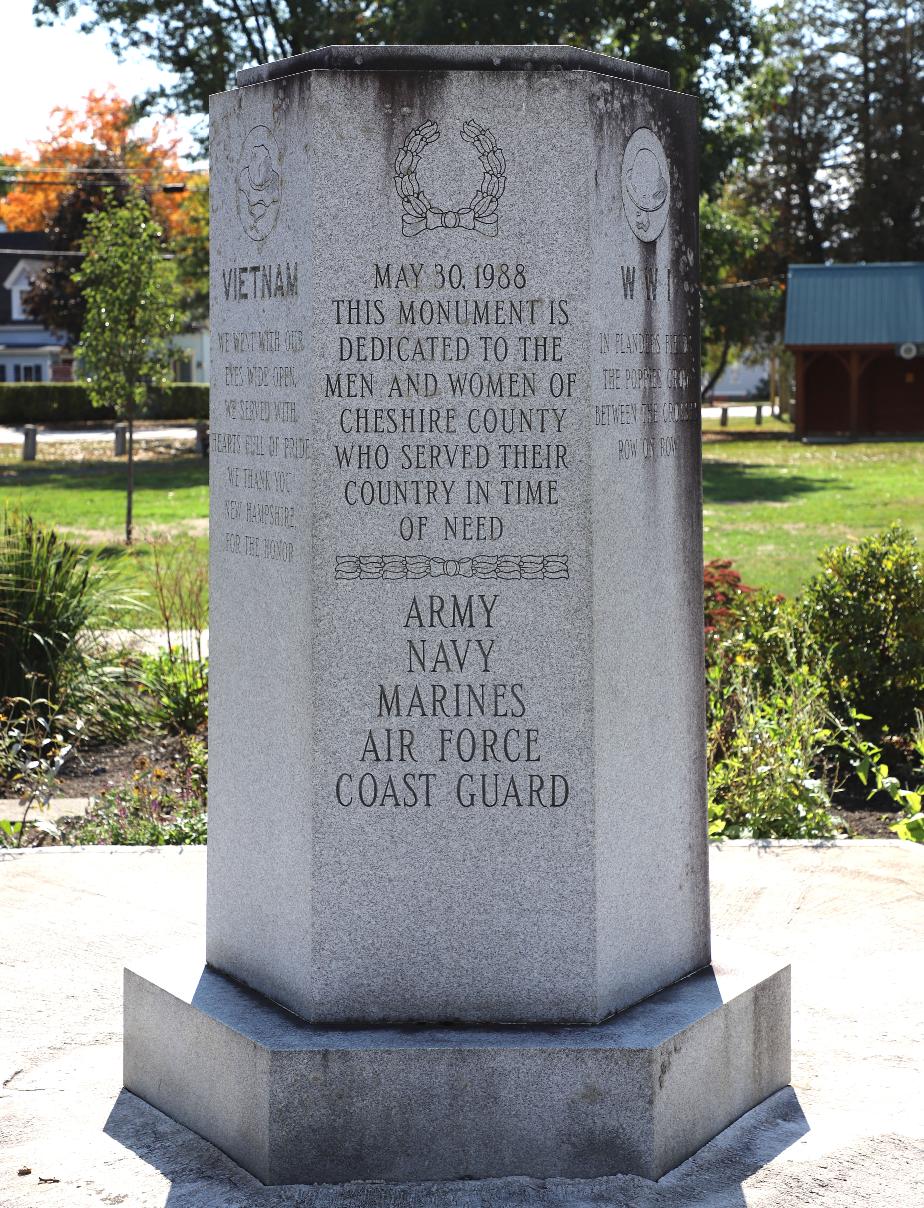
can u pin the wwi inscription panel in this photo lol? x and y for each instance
(435, 541)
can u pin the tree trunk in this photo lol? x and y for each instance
(866, 128)
(130, 484)
(719, 370)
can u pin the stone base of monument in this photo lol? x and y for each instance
(295, 1103)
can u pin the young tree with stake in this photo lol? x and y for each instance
(132, 307)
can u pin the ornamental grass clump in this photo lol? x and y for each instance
(56, 602)
(53, 597)
(177, 677)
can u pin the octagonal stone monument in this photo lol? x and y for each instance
(457, 722)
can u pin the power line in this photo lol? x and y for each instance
(743, 284)
(46, 255)
(19, 251)
(60, 183)
(115, 170)
(68, 175)
(15, 182)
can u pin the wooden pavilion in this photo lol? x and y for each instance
(857, 333)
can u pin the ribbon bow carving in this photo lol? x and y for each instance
(420, 214)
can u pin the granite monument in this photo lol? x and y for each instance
(457, 781)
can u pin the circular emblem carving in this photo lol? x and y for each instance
(646, 186)
(259, 183)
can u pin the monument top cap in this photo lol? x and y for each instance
(452, 58)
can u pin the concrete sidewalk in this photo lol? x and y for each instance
(58, 807)
(850, 917)
(714, 410)
(151, 641)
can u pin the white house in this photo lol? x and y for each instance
(31, 353)
(28, 351)
(192, 365)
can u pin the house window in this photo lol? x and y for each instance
(27, 373)
(2, 373)
(18, 291)
(19, 281)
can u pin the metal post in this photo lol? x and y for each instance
(801, 400)
(854, 398)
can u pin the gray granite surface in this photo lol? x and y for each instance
(452, 58)
(456, 727)
(295, 1103)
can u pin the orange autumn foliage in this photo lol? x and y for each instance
(104, 128)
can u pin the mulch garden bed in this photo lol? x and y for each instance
(96, 769)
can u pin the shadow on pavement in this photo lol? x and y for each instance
(200, 1176)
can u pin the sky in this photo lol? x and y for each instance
(59, 65)
(53, 66)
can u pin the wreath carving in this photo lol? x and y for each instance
(419, 212)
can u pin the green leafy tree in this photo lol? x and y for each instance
(709, 49)
(881, 47)
(131, 296)
(840, 164)
(741, 308)
(190, 246)
(55, 299)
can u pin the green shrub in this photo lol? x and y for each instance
(69, 403)
(772, 774)
(47, 403)
(179, 400)
(784, 722)
(35, 743)
(723, 594)
(865, 610)
(773, 779)
(159, 807)
(178, 682)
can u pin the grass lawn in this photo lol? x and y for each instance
(772, 503)
(84, 497)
